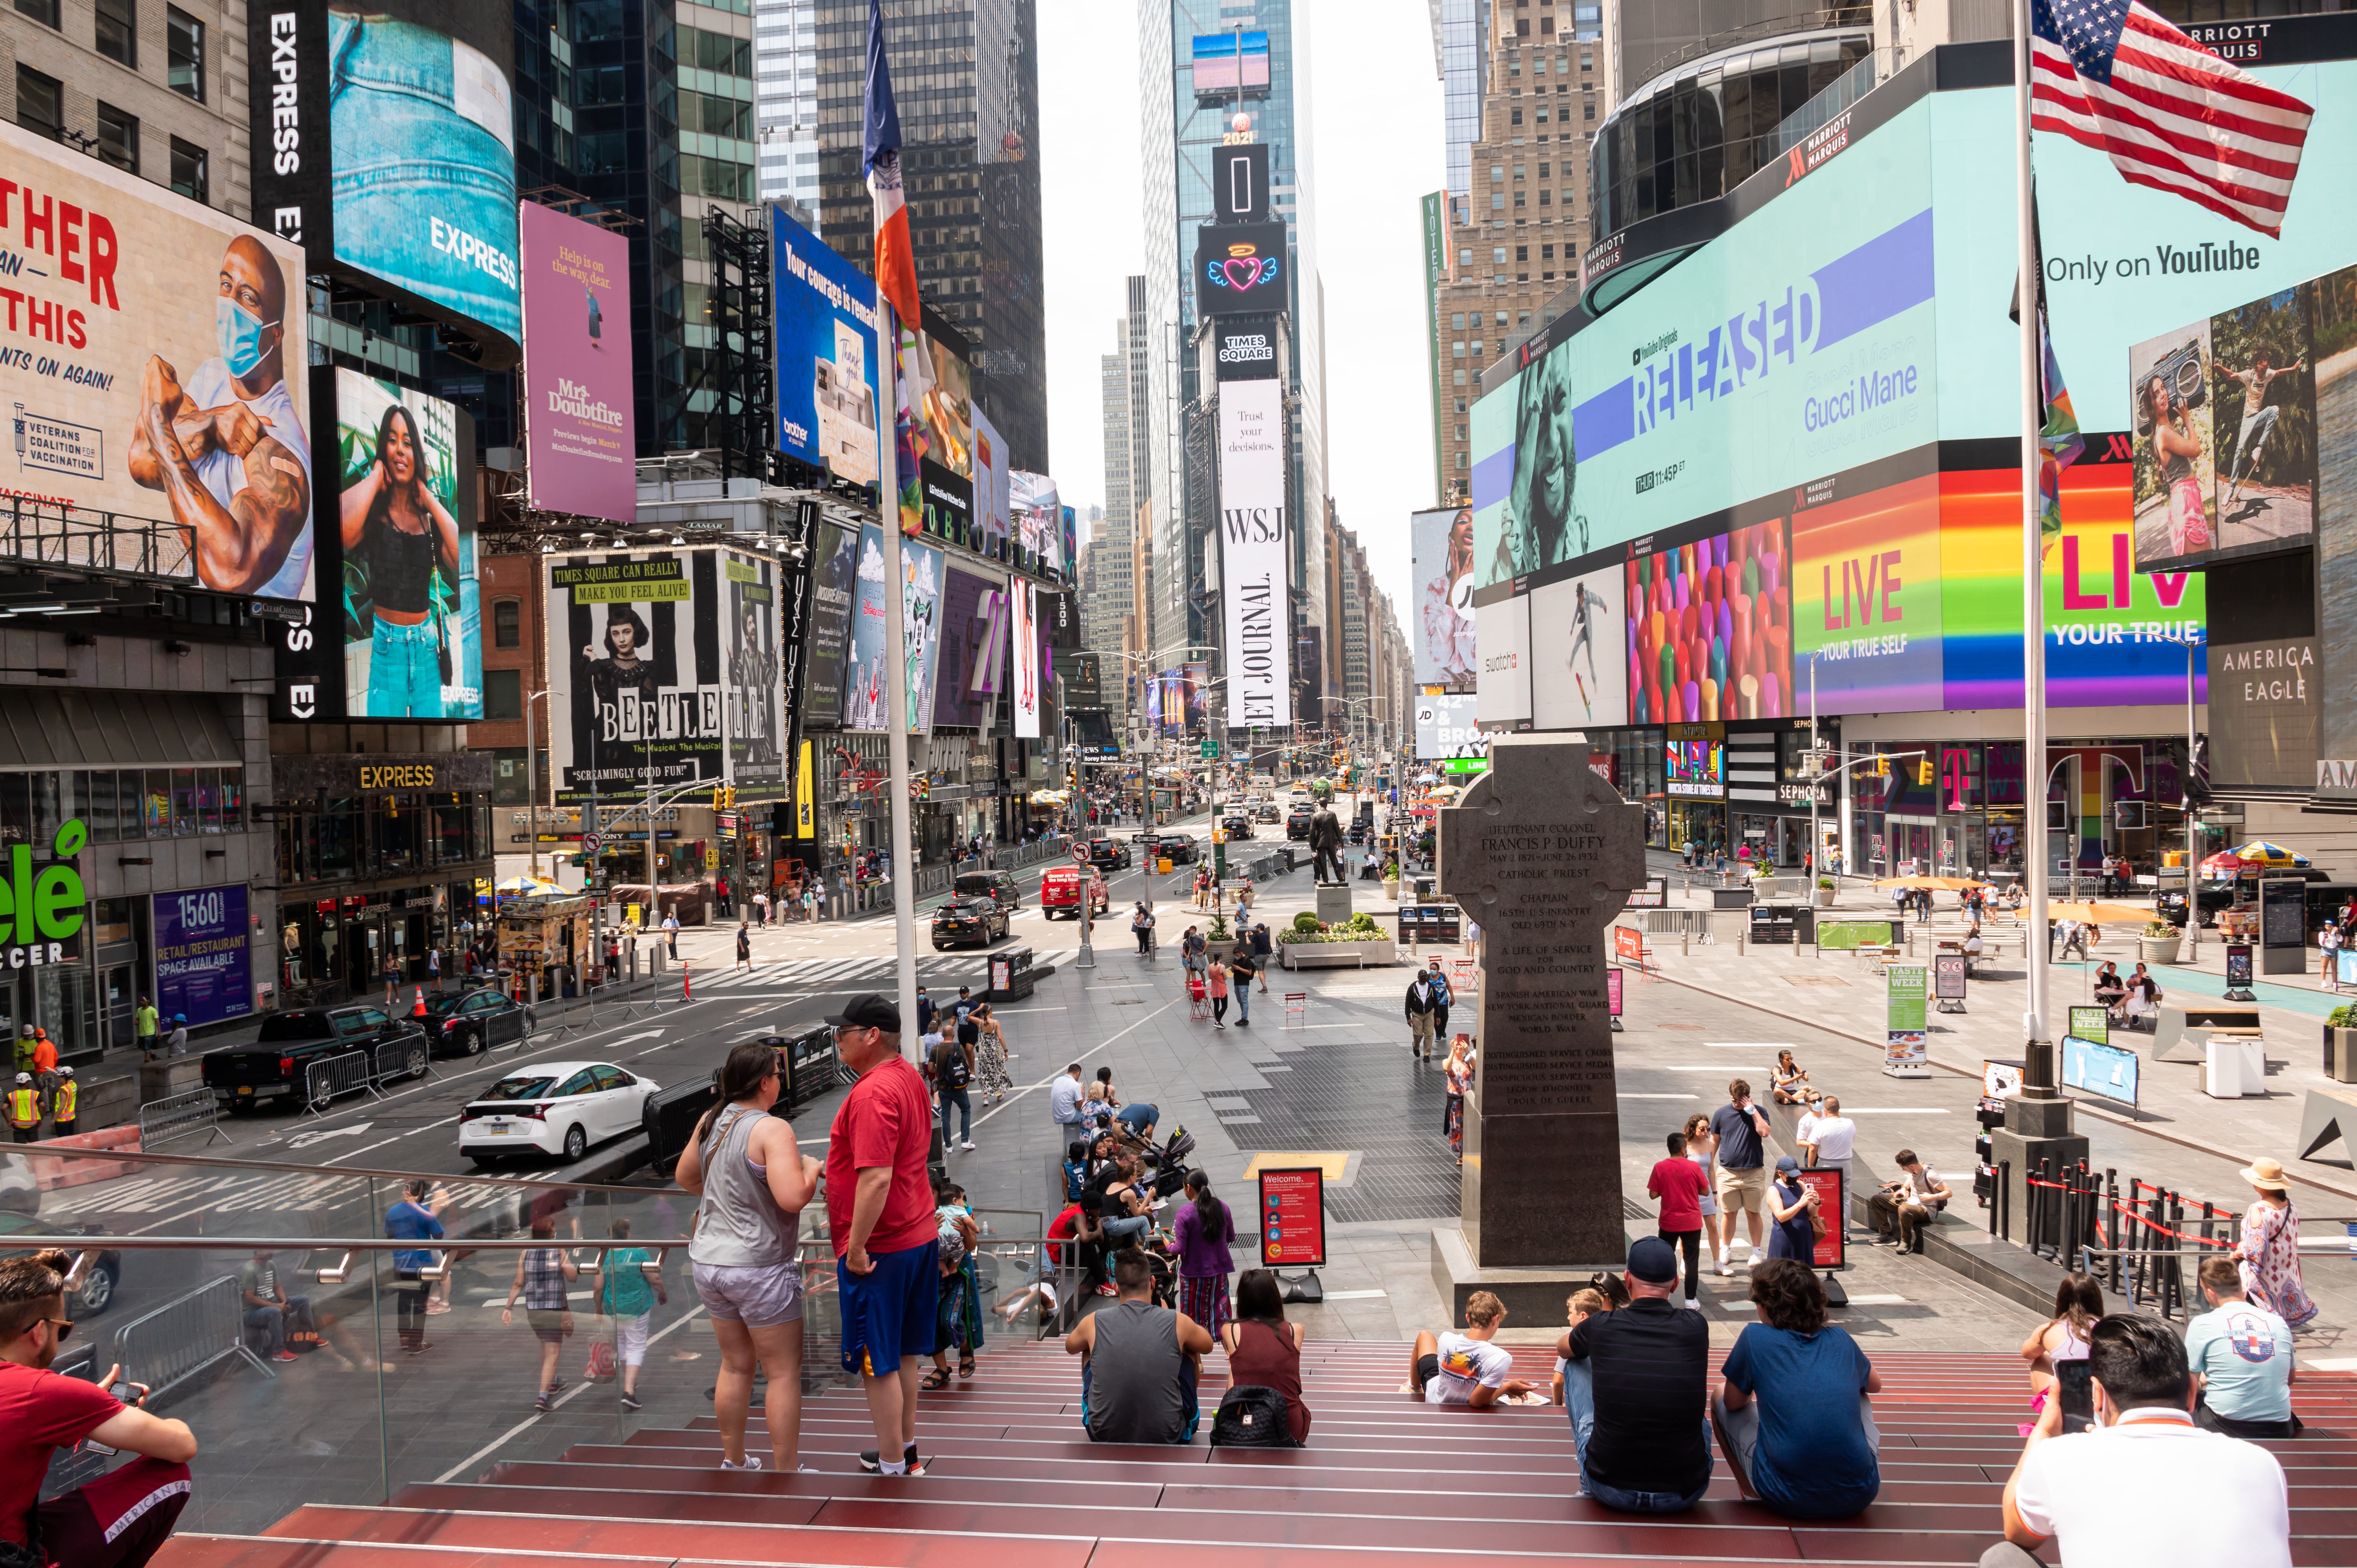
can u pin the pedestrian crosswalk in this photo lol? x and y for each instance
(877, 971)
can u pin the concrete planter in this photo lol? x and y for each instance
(2340, 1055)
(1391, 888)
(2159, 950)
(1765, 887)
(1825, 898)
(1319, 955)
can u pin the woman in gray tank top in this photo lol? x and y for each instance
(753, 1182)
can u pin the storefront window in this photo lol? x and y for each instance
(401, 831)
(98, 807)
(338, 839)
(187, 821)
(450, 835)
(155, 805)
(15, 810)
(232, 800)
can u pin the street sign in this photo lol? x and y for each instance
(589, 842)
(1080, 853)
(1210, 750)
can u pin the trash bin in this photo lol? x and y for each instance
(1011, 979)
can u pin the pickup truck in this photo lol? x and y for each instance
(277, 1065)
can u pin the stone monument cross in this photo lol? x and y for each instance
(1542, 852)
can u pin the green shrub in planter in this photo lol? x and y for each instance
(1824, 884)
(1305, 923)
(2341, 1017)
(2161, 928)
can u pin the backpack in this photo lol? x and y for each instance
(1253, 1417)
(953, 1069)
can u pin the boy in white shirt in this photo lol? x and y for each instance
(1465, 1368)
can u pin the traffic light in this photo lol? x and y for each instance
(1882, 767)
(1923, 770)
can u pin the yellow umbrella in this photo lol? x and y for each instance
(1938, 884)
(2098, 914)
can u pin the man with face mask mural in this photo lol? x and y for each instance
(227, 447)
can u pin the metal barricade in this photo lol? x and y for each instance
(406, 1058)
(180, 1116)
(166, 1347)
(331, 1077)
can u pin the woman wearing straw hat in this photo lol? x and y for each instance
(2268, 1255)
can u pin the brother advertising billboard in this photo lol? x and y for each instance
(659, 674)
(578, 401)
(157, 367)
(384, 144)
(825, 347)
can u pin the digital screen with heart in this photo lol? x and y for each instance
(1240, 267)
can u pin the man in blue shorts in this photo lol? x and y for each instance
(879, 1211)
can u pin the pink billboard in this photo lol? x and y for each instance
(581, 451)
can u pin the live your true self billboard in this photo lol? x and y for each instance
(1839, 366)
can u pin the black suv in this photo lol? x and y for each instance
(998, 884)
(1179, 848)
(1237, 826)
(277, 1065)
(978, 921)
(1297, 822)
(1108, 854)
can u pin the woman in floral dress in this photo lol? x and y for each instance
(1460, 1069)
(2268, 1256)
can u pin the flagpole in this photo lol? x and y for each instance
(2038, 1072)
(896, 669)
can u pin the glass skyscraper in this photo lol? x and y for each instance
(1179, 129)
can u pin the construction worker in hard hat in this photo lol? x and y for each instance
(25, 1048)
(44, 1060)
(178, 1042)
(23, 1103)
(65, 1104)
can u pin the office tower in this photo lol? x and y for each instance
(785, 100)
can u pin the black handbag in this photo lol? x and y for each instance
(1253, 1417)
(442, 641)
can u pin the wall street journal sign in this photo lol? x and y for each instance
(1254, 551)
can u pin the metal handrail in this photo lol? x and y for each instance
(54, 1152)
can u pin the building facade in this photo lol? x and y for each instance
(785, 100)
(966, 76)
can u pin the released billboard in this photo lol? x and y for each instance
(157, 367)
(825, 347)
(390, 138)
(1255, 550)
(582, 454)
(662, 671)
(1441, 544)
(411, 610)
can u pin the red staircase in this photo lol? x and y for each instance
(1385, 1483)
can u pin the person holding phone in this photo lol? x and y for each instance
(122, 1519)
(1742, 1131)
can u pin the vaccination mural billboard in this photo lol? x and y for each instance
(578, 398)
(156, 365)
(412, 610)
(637, 671)
(1441, 544)
(825, 349)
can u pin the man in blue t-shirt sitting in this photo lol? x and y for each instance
(2242, 1353)
(1786, 1421)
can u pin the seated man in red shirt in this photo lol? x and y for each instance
(118, 1521)
(1680, 1186)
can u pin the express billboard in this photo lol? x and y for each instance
(581, 451)
(157, 365)
(408, 592)
(384, 145)
(826, 357)
(1441, 545)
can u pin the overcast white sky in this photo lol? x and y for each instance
(1375, 151)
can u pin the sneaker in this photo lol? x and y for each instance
(1693, 1306)
(436, 1308)
(540, 1402)
(1107, 1289)
(867, 1460)
(285, 1356)
(752, 1462)
(1722, 1262)
(1758, 1256)
(557, 1385)
(630, 1402)
(968, 1143)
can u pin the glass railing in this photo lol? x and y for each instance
(395, 1366)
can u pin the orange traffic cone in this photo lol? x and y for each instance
(419, 1011)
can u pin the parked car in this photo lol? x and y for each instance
(96, 1292)
(1108, 854)
(1061, 891)
(980, 921)
(998, 884)
(1297, 821)
(555, 1108)
(1236, 825)
(277, 1065)
(468, 1023)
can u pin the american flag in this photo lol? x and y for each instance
(2170, 113)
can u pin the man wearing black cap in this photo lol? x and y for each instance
(879, 1211)
(1650, 1449)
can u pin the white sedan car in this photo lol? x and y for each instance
(556, 1108)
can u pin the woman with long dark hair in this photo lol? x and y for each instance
(1264, 1349)
(1200, 1239)
(753, 1182)
(2177, 446)
(394, 522)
